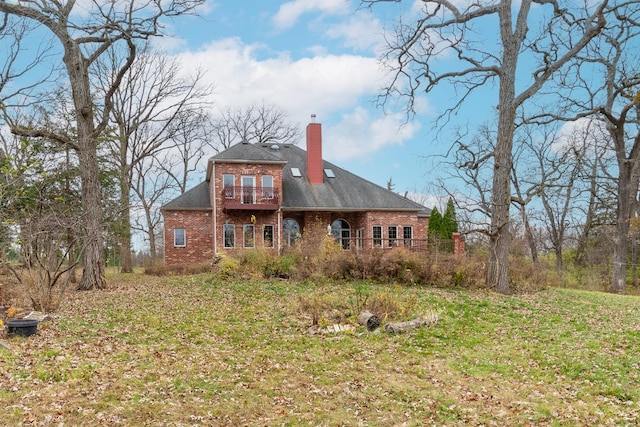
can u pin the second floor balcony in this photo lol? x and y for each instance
(250, 198)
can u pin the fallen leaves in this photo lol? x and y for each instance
(187, 351)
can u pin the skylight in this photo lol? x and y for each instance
(296, 172)
(329, 173)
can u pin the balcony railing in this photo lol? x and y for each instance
(250, 198)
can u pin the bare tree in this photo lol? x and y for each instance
(262, 124)
(470, 161)
(85, 37)
(613, 98)
(151, 186)
(444, 29)
(147, 108)
(524, 189)
(191, 136)
(622, 114)
(560, 162)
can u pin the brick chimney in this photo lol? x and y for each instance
(314, 152)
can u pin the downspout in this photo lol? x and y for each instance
(215, 210)
(164, 239)
(279, 231)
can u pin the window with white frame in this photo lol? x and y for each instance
(249, 236)
(228, 183)
(267, 236)
(341, 233)
(392, 235)
(377, 236)
(407, 235)
(290, 231)
(267, 186)
(360, 238)
(179, 237)
(229, 236)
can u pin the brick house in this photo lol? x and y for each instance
(264, 195)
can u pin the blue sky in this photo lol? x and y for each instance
(314, 57)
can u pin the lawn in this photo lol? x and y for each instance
(194, 350)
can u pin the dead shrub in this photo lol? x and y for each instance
(265, 264)
(323, 309)
(338, 264)
(318, 255)
(525, 276)
(389, 305)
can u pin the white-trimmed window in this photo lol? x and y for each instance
(267, 236)
(341, 233)
(249, 235)
(267, 186)
(392, 235)
(407, 235)
(376, 232)
(360, 238)
(228, 183)
(291, 231)
(229, 236)
(179, 237)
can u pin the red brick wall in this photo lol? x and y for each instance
(314, 153)
(239, 218)
(367, 220)
(199, 237)
(399, 219)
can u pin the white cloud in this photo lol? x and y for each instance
(320, 84)
(290, 12)
(584, 131)
(361, 31)
(359, 134)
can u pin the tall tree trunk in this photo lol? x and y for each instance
(93, 262)
(125, 222)
(559, 261)
(500, 234)
(626, 194)
(71, 240)
(583, 239)
(125, 243)
(532, 241)
(153, 250)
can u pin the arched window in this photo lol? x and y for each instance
(291, 231)
(341, 232)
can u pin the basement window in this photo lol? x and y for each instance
(329, 173)
(296, 172)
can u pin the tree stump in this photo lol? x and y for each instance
(369, 319)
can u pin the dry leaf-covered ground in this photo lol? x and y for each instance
(188, 351)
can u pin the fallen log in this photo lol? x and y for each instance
(369, 319)
(400, 327)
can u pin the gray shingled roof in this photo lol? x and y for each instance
(345, 192)
(246, 153)
(195, 199)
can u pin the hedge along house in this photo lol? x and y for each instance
(266, 195)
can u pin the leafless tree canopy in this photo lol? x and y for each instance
(263, 124)
(84, 38)
(466, 37)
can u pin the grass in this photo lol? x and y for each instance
(193, 350)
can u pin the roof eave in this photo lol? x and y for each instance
(341, 209)
(261, 162)
(163, 208)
